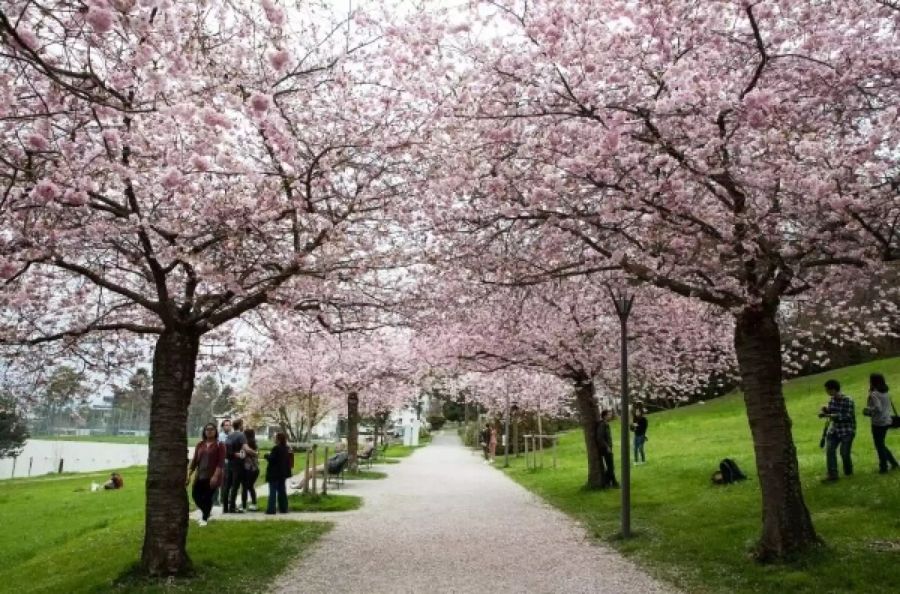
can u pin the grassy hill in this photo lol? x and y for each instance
(698, 535)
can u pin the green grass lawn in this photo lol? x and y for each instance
(58, 536)
(300, 502)
(698, 536)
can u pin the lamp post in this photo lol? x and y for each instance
(506, 432)
(623, 302)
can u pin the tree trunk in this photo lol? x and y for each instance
(352, 428)
(787, 527)
(166, 521)
(590, 416)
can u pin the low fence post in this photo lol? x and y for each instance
(30, 462)
(61, 460)
(325, 472)
(555, 441)
(314, 468)
(306, 474)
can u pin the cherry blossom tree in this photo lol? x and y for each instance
(168, 167)
(739, 153)
(569, 330)
(364, 373)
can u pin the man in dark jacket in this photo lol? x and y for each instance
(277, 472)
(604, 442)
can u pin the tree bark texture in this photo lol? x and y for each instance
(590, 416)
(166, 519)
(352, 429)
(787, 526)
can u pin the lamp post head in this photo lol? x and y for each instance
(622, 300)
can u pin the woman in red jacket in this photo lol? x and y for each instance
(208, 462)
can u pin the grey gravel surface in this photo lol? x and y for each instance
(445, 522)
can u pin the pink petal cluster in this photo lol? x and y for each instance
(100, 19)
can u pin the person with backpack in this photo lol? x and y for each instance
(235, 450)
(879, 408)
(639, 426)
(251, 470)
(605, 443)
(277, 472)
(841, 430)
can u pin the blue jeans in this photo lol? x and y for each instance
(845, 444)
(279, 489)
(639, 441)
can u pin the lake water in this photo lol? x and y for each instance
(78, 456)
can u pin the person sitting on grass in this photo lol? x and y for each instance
(115, 482)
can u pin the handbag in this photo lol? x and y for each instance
(895, 418)
(216, 479)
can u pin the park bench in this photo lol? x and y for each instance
(335, 467)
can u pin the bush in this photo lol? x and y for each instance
(436, 422)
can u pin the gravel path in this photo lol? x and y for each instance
(444, 522)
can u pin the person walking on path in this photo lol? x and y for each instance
(485, 441)
(235, 449)
(277, 472)
(604, 442)
(251, 470)
(492, 444)
(639, 426)
(879, 408)
(208, 462)
(841, 431)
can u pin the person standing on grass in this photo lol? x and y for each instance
(209, 464)
(251, 470)
(235, 448)
(604, 442)
(639, 426)
(841, 431)
(277, 472)
(492, 444)
(485, 441)
(879, 408)
(224, 431)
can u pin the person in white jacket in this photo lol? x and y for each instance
(879, 409)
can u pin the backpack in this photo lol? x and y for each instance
(728, 473)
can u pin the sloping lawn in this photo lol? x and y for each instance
(58, 536)
(698, 536)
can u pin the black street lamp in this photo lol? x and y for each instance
(623, 302)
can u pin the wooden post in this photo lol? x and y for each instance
(527, 462)
(314, 468)
(30, 462)
(534, 451)
(325, 473)
(306, 474)
(61, 460)
(516, 438)
(555, 440)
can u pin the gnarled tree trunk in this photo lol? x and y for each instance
(352, 428)
(787, 527)
(166, 521)
(590, 416)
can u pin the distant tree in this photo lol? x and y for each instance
(209, 399)
(131, 402)
(13, 430)
(65, 391)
